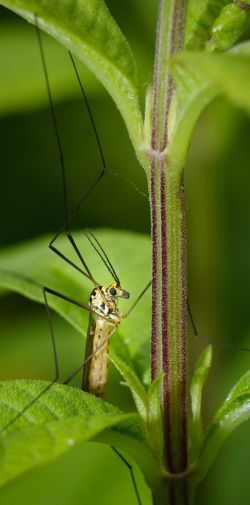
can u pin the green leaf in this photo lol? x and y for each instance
(192, 95)
(240, 388)
(200, 18)
(22, 80)
(59, 401)
(136, 387)
(199, 78)
(226, 73)
(60, 419)
(234, 411)
(88, 30)
(196, 389)
(148, 405)
(56, 422)
(25, 268)
(228, 27)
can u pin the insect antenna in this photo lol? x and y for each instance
(102, 254)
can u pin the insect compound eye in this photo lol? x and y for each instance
(112, 291)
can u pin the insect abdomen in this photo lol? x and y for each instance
(96, 371)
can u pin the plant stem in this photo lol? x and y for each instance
(177, 494)
(169, 314)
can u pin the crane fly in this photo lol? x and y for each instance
(96, 369)
(104, 301)
(104, 314)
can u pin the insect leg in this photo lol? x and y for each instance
(56, 365)
(46, 291)
(76, 249)
(89, 113)
(113, 448)
(212, 340)
(131, 473)
(105, 170)
(194, 327)
(126, 314)
(53, 115)
(67, 217)
(78, 369)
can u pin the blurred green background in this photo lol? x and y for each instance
(217, 180)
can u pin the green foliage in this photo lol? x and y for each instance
(243, 4)
(200, 18)
(234, 411)
(88, 30)
(199, 78)
(212, 73)
(148, 406)
(138, 391)
(56, 422)
(228, 27)
(22, 80)
(196, 390)
(64, 416)
(214, 23)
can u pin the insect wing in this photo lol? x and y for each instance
(88, 351)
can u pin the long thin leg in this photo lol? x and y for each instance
(105, 169)
(53, 117)
(67, 217)
(131, 473)
(213, 340)
(60, 150)
(74, 302)
(77, 208)
(65, 258)
(85, 197)
(46, 291)
(56, 365)
(89, 274)
(194, 327)
(79, 368)
(73, 243)
(89, 112)
(58, 139)
(126, 314)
